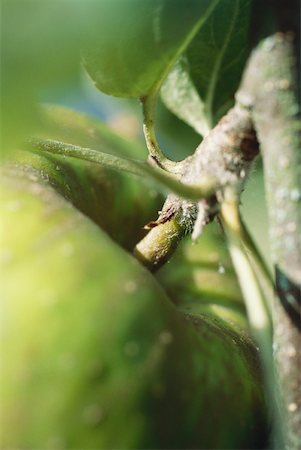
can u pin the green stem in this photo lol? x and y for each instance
(258, 263)
(257, 310)
(159, 244)
(164, 181)
(149, 104)
(257, 307)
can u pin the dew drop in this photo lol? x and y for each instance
(221, 269)
(292, 407)
(275, 347)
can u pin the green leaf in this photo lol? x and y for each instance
(139, 41)
(181, 97)
(72, 127)
(212, 67)
(91, 188)
(62, 128)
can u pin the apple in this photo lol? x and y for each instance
(94, 352)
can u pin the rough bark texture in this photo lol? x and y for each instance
(225, 155)
(270, 89)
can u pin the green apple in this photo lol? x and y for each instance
(94, 353)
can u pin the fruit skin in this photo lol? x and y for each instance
(98, 192)
(94, 353)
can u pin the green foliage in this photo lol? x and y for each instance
(201, 86)
(139, 42)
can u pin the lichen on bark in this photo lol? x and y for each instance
(270, 90)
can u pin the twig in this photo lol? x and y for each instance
(149, 104)
(224, 156)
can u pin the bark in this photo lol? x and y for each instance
(225, 156)
(269, 89)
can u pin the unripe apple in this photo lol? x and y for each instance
(94, 354)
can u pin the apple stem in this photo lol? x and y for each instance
(258, 310)
(156, 156)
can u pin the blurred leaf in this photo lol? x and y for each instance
(39, 47)
(139, 41)
(212, 67)
(92, 188)
(64, 124)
